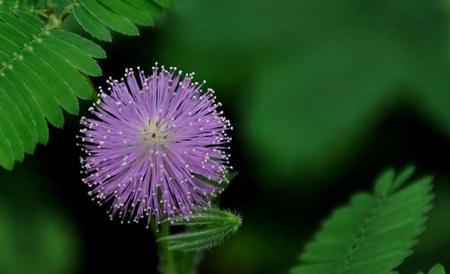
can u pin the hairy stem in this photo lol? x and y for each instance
(166, 259)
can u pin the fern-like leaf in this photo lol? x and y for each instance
(30, 6)
(43, 68)
(42, 71)
(98, 17)
(437, 269)
(205, 229)
(374, 233)
(17, 4)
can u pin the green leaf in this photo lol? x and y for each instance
(374, 233)
(434, 242)
(384, 182)
(42, 71)
(97, 16)
(6, 154)
(153, 9)
(91, 25)
(404, 176)
(135, 15)
(73, 56)
(87, 46)
(109, 18)
(205, 229)
(437, 269)
(27, 108)
(26, 5)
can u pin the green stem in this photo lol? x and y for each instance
(166, 259)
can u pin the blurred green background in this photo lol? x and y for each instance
(322, 95)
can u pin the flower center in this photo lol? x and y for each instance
(155, 132)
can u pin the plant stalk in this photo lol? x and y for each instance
(166, 258)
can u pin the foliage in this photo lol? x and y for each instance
(205, 229)
(437, 269)
(434, 242)
(97, 17)
(375, 232)
(44, 69)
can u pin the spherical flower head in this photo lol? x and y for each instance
(155, 146)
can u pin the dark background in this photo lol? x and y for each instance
(323, 95)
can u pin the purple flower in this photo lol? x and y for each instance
(154, 145)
